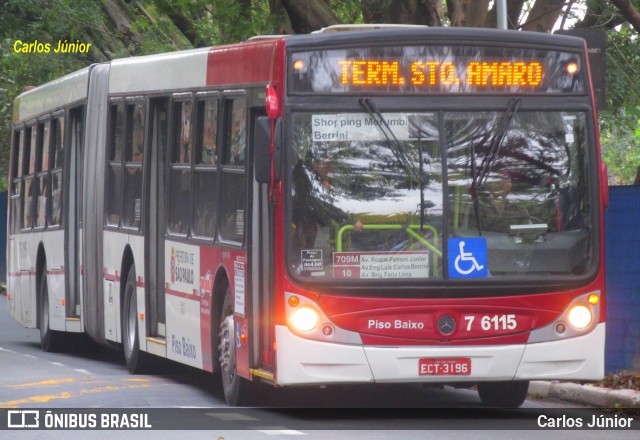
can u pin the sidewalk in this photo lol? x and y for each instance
(585, 394)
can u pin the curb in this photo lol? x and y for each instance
(585, 394)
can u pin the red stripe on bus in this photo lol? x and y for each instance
(179, 294)
(242, 63)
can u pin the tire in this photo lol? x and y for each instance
(134, 358)
(235, 388)
(503, 394)
(51, 341)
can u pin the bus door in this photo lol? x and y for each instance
(261, 255)
(155, 218)
(73, 206)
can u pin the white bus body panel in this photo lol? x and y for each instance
(573, 358)
(22, 281)
(53, 95)
(137, 247)
(178, 70)
(306, 362)
(22, 278)
(183, 331)
(115, 244)
(55, 278)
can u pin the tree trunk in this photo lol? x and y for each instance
(514, 9)
(281, 18)
(119, 15)
(543, 15)
(629, 12)
(309, 15)
(427, 12)
(455, 12)
(475, 12)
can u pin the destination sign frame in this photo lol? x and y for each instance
(436, 70)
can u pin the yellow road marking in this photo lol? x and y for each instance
(67, 395)
(42, 383)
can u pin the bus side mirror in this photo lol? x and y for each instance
(262, 149)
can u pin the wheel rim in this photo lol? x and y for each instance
(131, 326)
(45, 311)
(227, 348)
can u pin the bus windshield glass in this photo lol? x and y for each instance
(390, 195)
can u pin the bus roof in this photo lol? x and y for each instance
(173, 70)
(52, 95)
(447, 35)
(241, 63)
(251, 62)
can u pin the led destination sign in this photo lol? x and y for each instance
(434, 73)
(436, 69)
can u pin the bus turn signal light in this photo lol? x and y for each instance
(572, 68)
(294, 301)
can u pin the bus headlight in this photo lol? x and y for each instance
(580, 317)
(304, 319)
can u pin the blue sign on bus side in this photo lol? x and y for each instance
(468, 258)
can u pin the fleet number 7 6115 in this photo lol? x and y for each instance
(493, 322)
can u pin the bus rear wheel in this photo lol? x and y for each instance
(134, 358)
(235, 388)
(50, 340)
(503, 394)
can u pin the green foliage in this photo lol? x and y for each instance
(45, 21)
(620, 122)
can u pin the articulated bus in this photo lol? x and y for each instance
(398, 205)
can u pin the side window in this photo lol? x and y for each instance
(233, 197)
(57, 143)
(134, 151)
(42, 178)
(180, 193)
(33, 151)
(236, 150)
(27, 159)
(206, 151)
(16, 182)
(25, 152)
(115, 175)
(55, 162)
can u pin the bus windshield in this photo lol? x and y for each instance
(383, 196)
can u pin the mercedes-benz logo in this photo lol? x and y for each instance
(446, 324)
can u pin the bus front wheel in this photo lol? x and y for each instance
(130, 335)
(503, 394)
(235, 387)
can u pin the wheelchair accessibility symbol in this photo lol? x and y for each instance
(467, 258)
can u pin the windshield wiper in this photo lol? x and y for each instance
(394, 143)
(487, 162)
(496, 141)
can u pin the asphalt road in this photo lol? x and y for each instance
(95, 380)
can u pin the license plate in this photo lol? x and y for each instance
(444, 367)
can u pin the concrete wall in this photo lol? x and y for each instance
(622, 237)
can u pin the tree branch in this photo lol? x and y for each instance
(629, 12)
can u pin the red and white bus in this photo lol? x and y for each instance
(415, 205)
